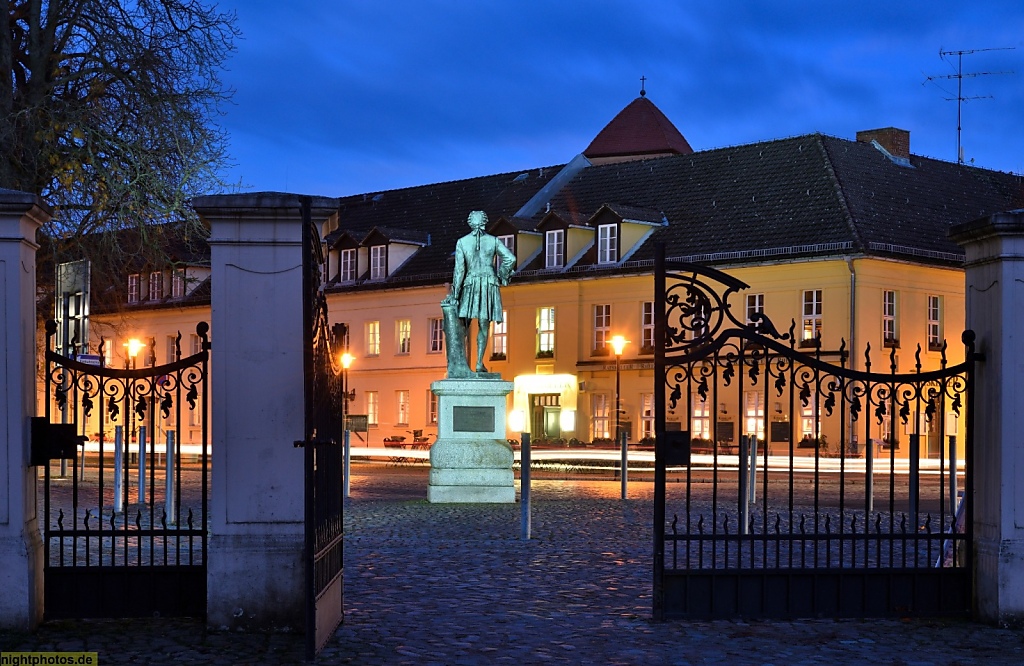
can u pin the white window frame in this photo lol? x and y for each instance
(554, 248)
(134, 280)
(647, 327)
(402, 407)
(156, 286)
(934, 322)
(378, 262)
(436, 343)
(755, 306)
(700, 418)
(753, 415)
(347, 265)
(178, 284)
(646, 415)
(812, 314)
(373, 338)
(890, 328)
(607, 243)
(403, 337)
(372, 408)
(600, 416)
(546, 330)
(602, 318)
(499, 337)
(810, 420)
(431, 407)
(195, 416)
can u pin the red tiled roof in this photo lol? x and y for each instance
(639, 129)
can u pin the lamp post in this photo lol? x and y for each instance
(346, 361)
(618, 344)
(132, 349)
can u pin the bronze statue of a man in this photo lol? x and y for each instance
(475, 286)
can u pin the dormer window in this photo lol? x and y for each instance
(156, 286)
(178, 284)
(347, 269)
(508, 241)
(607, 244)
(133, 288)
(378, 262)
(554, 248)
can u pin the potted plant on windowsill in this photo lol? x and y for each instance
(546, 353)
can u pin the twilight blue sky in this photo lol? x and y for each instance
(341, 97)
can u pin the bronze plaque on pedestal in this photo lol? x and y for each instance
(473, 419)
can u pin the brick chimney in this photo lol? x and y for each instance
(896, 141)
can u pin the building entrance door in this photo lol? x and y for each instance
(544, 416)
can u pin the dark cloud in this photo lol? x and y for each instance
(344, 97)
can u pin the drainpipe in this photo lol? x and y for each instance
(869, 452)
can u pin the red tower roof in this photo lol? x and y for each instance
(639, 129)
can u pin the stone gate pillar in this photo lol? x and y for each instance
(995, 296)
(255, 559)
(21, 549)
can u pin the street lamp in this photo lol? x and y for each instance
(134, 346)
(618, 344)
(346, 361)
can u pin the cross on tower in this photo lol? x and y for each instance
(643, 80)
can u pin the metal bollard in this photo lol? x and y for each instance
(118, 469)
(524, 483)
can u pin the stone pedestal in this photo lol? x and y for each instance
(471, 461)
(21, 549)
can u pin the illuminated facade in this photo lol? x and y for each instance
(841, 239)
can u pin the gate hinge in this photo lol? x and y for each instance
(51, 441)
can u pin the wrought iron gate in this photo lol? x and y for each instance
(323, 451)
(795, 498)
(125, 534)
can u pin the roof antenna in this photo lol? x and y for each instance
(960, 76)
(643, 80)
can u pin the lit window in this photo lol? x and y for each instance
(890, 338)
(607, 244)
(755, 306)
(178, 284)
(372, 407)
(402, 400)
(347, 269)
(499, 338)
(195, 416)
(436, 336)
(378, 262)
(554, 248)
(133, 288)
(755, 414)
(431, 407)
(700, 421)
(156, 286)
(647, 328)
(600, 416)
(935, 323)
(602, 328)
(812, 315)
(403, 333)
(373, 338)
(546, 332)
(646, 415)
(810, 425)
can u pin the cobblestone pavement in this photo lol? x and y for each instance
(455, 584)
